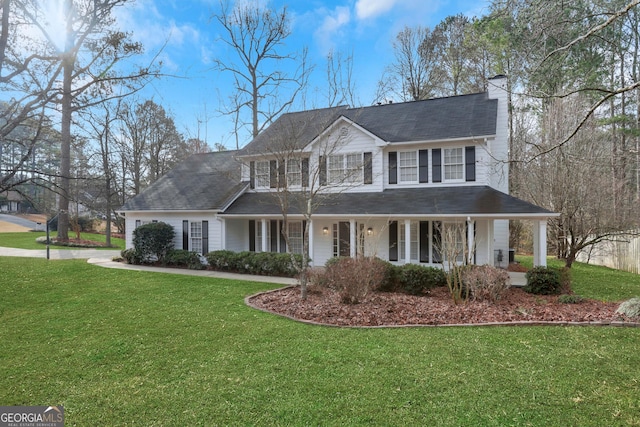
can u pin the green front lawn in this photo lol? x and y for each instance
(27, 240)
(119, 347)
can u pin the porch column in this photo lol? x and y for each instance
(540, 243)
(470, 240)
(310, 228)
(407, 241)
(264, 235)
(352, 238)
(223, 234)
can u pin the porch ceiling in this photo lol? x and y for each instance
(460, 201)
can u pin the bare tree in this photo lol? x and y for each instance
(305, 178)
(256, 35)
(340, 82)
(575, 180)
(413, 75)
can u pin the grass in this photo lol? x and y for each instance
(595, 282)
(27, 240)
(120, 347)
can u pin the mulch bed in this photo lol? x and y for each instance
(437, 308)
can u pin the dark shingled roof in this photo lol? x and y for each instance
(202, 182)
(435, 201)
(432, 119)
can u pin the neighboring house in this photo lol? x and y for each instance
(393, 178)
(11, 201)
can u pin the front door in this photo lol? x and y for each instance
(344, 238)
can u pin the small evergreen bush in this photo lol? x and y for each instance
(543, 281)
(132, 256)
(259, 263)
(630, 308)
(416, 279)
(182, 258)
(570, 299)
(153, 240)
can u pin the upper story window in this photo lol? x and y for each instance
(408, 166)
(453, 162)
(294, 173)
(344, 168)
(262, 175)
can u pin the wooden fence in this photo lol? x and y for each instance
(621, 253)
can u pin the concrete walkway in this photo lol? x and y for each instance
(103, 258)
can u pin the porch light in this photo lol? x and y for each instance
(369, 231)
(325, 230)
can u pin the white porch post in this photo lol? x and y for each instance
(540, 243)
(407, 241)
(470, 240)
(223, 234)
(264, 235)
(352, 238)
(310, 227)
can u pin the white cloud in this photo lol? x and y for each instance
(366, 9)
(332, 26)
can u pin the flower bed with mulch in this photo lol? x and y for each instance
(437, 308)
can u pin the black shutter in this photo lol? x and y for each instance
(436, 161)
(305, 172)
(274, 235)
(393, 241)
(423, 162)
(205, 237)
(283, 242)
(154, 221)
(470, 163)
(323, 170)
(252, 174)
(437, 241)
(252, 235)
(368, 168)
(424, 241)
(281, 175)
(273, 174)
(393, 167)
(185, 235)
(138, 223)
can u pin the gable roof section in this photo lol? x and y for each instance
(463, 116)
(292, 131)
(435, 201)
(206, 181)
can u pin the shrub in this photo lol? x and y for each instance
(153, 240)
(485, 282)
(416, 279)
(182, 258)
(260, 263)
(630, 308)
(390, 281)
(570, 299)
(543, 281)
(565, 279)
(132, 256)
(353, 278)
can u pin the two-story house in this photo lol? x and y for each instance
(385, 180)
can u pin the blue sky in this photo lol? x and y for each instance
(363, 28)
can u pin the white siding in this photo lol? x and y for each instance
(175, 220)
(237, 235)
